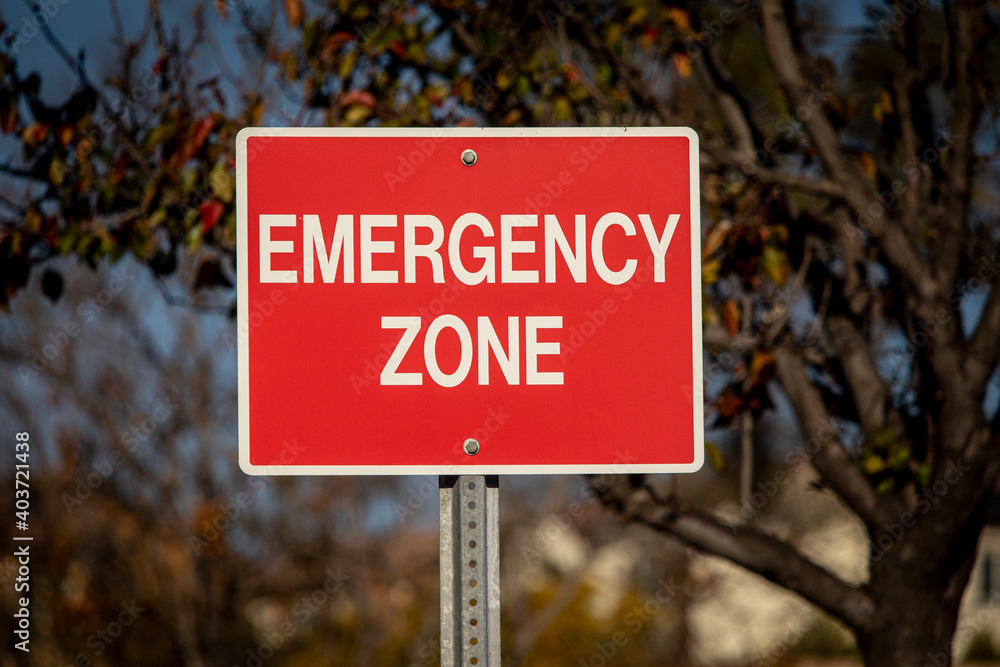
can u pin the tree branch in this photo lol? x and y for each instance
(950, 245)
(906, 42)
(748, 165)
(983, 352)
(760, 553)
(895, 244)
(632, 79)
(871, 396)
(735, 110)
(831, 459)
(718, 337)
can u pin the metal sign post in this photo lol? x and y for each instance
(470, 570)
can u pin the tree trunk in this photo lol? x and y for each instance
(915, 629)
(917, 598)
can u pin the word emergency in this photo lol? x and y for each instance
(340, 254)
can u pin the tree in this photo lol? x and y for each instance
(857, 188)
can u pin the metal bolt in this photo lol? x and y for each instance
(469, 158)
(471, 446)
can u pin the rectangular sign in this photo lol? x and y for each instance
(409, 297)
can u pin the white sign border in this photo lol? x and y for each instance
(243, 306)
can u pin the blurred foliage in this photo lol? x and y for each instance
(136, 164)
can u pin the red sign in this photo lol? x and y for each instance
(469, 301)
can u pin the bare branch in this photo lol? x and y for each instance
(983, 351)
(756, 551)
(746, 418)
(718, 337)
(871, 396)
(632, 79)
(724, 92)
(964, 111)
(906, 42)
(895, 244)
(832, 460)
(712, 160)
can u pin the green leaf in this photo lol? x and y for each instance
(189, 178)
(614, 34)
(223, 183)
(924, 474)
(194, 238)
(775, 265)
(715, 457)
(883, 438)
(562, 109)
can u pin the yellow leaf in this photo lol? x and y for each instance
(512, 117)
(873, 464)
(885, 99)
(762, 360)
(32, 221)
(710, 271)
(682, 62)
(562, 109)
(868, 164)
(356, 114)
(680, 18)
(715, 237)
(775, 265)
(223, 182)
(709, 315)
(637, 15)
(57, 172)
(347, 65)
(614, 34)
(715, 457)
(255, 112)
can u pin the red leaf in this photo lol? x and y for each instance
(118, 173)
(35, 133)
(397, 48)
(362, 97)
(731, 317)
(210, 211)
(8, 118)
(729, 404)
(201, 131)
(197, 135)
(334, 42)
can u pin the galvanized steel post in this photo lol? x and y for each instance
(470, 570)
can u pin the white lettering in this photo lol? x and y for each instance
(268, 246)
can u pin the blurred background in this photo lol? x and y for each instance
(118, 330)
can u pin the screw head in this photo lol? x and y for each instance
(471, 446)
(469, 157)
